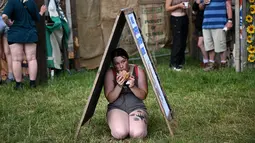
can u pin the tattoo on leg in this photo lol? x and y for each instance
(140, 116)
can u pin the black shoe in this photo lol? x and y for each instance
(18, 86)
(1, 82)
(32, 84)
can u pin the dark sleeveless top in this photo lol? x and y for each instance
(127, 101)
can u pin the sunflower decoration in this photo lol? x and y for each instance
(251, 29)
(251, 58)
(251, 1)
(249, 18)
(249, 39)
(251, 49)
(252, 9)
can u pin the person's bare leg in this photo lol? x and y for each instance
(118, 123)
(30, 51)
(211, 55)
(138, 124)
(17, 53)
(8, 57)
(0, 60)
(223, 56)
(200, 44)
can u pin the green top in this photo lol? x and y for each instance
(23, 29)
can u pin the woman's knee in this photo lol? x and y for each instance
(200, 42)
(31, 57)
(138, 133)
(119, 133)
(17, 58)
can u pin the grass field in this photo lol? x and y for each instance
(213, 107)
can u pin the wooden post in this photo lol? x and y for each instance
(75, 35)
(237, 33)
(41, 47)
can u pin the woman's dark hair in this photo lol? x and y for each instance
(119, 52)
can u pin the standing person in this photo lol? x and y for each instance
(22, 36)
(179, 27)
(199, 12)
(125, 88)
(217, 15)
(4, 47)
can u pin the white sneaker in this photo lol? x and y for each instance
(177, 69)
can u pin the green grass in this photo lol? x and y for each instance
(208, 108)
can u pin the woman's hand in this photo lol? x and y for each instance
(10, 22)
(182, 6)
(43, 9)
(120, 79)
(131, 81)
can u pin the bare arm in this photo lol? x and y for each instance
(111, 91)
(141, 90)
(229, 24)
(170, 8)
(229, 8)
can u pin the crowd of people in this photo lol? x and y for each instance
(213, 19)
(19, 38)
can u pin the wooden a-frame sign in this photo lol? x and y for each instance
(126, 15)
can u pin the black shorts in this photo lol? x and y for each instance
(10, 43)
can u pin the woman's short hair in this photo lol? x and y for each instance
(119, 52)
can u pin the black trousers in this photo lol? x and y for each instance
(179, 27)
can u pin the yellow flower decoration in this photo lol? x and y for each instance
(250, 29)
(252, 9)
(251, 1)
(249, 39)
(249, 18)
(251, 58)
(251, 49)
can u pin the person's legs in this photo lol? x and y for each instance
(118, 123)
(17, 53)
(200, 44)
(138, 124)
(30, 51)
(209, 47)
(175, 49)
(0, 60)
(8, 58)
(183, 39)
(220, 44)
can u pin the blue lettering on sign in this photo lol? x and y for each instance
(143, 51)
(241, 17)
(139, 40)
(136, 30)
(132, 20)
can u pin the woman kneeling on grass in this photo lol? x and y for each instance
(125, 89)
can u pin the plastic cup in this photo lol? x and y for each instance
(186, 4)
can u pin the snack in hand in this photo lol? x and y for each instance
(125, 74)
